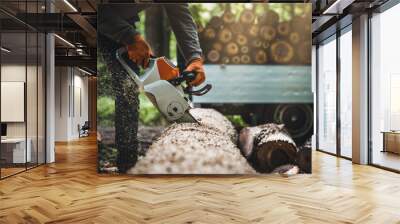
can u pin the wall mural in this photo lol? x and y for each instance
(204, 88)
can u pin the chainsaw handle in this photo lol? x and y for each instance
(185, 76)
(119, 55)
(189, 76)
(199, 92)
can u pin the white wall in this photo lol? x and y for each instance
(71, 102)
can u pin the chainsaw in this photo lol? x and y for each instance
(165, 87)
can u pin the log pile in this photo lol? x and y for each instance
(189, 148)
(256, 38)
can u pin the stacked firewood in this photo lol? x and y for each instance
(252, 38)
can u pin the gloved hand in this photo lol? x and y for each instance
(139, 52)
(196, 66)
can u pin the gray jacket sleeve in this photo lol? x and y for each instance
(113, 23)
(185, 30)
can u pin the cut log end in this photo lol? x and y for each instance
(267, 147)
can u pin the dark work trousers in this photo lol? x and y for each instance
(126, 104)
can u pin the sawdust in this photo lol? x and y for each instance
(214, 119)
(190, 148)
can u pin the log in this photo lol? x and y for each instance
(217, 46)
(231, 49)
(267, 147)
(304, 53)
(283, 29)
(299, 24)
(225, 35)
(266, 45)
(244, 49)
(304, 160)
(268, 33)
(209, 33)
(237, 28)
(213, 56)
(241, 39)
(247, 16)
(256, 43)
(260, 57)
(225, 60)
(245, 59)
(191, 148)
(228, 17)
(269, 17)
(254, 30)
(282, 52)
(294, 38)
(236, 59)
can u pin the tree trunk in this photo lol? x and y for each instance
(191, 148)
(157, 31)
(126, 116)
(267, 147)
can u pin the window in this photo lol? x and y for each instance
(346, 93)
(327, 96)
(385, 89)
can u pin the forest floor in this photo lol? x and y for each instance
(147, 135)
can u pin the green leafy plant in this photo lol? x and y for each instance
(105, 111)
(148, 113)
(237, 121)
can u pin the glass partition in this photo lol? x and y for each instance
(22, 91)
(14, 151)
(385, 89)
(346, 93)
(327, 96)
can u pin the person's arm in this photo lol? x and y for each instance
(113, 24)
(116, 22)
(185, 30)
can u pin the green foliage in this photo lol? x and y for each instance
(140, 25)
(105, 111)
(148, 113)
(237, 121)
(173, 49)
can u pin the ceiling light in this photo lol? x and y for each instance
(70, 5)
(84, 71)
(337, 7)
(5, 50)
(64, 40)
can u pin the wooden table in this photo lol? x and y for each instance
(13, 150)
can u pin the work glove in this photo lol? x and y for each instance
(196, 66)
(140, 52)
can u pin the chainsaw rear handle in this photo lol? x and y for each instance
(186, 76)
(198, 92)
(119, 55)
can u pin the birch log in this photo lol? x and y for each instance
(191, 148)
(267, 147)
